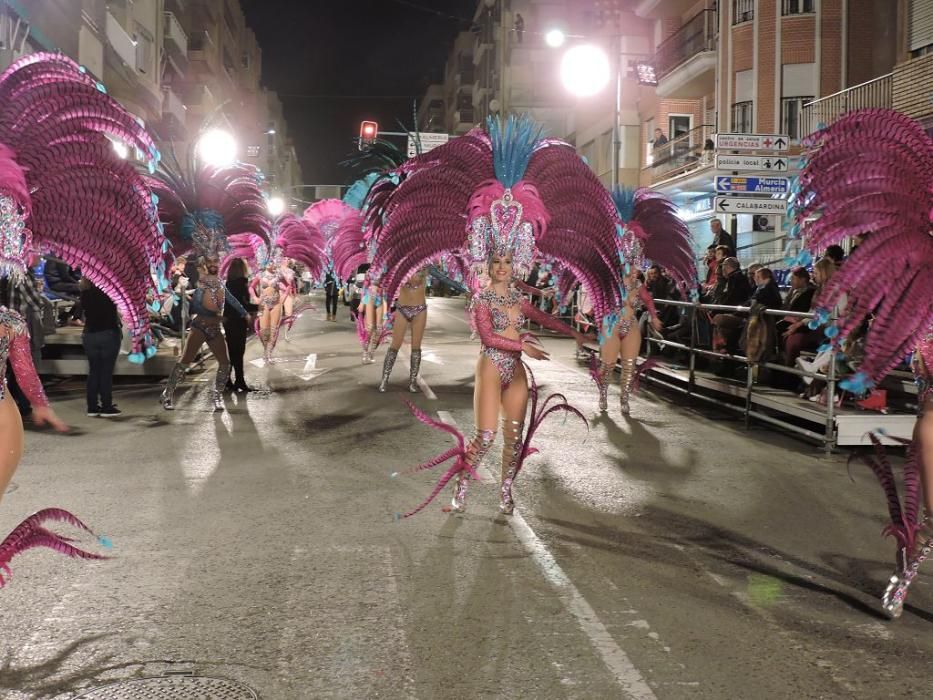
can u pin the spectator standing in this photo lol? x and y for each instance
(101, 339)
(62, 281)
(236, 328)
(519, 27)
(721, 236)
(330, 295)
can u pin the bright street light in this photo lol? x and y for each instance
(555, 38)
(121, 149)
(584, 70)
(276, 206)
(218, 148)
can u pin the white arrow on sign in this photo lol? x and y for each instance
(744, 163)
(752, 142)
(751, 205)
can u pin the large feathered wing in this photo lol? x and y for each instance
(299, 239)
(667, 240)
(871, 173)
(88, 206)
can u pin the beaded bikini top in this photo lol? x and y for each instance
(500, 318)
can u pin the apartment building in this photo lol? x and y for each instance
(180, 65)
(751, 66)
(432, 111)
(459, 77)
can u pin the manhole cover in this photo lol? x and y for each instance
(173, 688)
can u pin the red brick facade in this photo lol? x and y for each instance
(768, 83)
(798, 39)
(831, 47)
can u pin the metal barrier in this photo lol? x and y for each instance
(827, 438)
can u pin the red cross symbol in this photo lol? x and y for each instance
(767, 143)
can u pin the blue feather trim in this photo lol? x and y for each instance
(624, 199)
(512, 146)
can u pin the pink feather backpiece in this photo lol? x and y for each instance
(870, 173)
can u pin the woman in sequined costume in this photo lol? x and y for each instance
(14, 346)
(63, 189)
(522, 198)
(648, 229)
(500, 312)
(411, 309)
(374, 317)
(870, 174)
(271, 287)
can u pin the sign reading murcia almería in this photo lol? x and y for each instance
(752, 185)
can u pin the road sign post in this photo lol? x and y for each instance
(751, 205)
(775, 143)
(740, 163)
(752, 185)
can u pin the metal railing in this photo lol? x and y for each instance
(826, 110)
(748, 410)
(687, 152)
(694, 37)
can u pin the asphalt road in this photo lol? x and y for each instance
(669, 555)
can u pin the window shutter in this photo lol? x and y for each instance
(920, 24)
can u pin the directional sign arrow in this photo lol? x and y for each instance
(780, 143)
(779, 164)
(723, 205)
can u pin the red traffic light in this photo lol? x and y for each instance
(369, 131)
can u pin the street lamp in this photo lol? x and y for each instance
(276, 206)
(584, 70)
(218, 148)
(555, 38)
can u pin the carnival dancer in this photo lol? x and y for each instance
(64, 189)
(411, 312)
(200, 216)
(870, 174)
(648, 229)
(519, 196)
(270, 287)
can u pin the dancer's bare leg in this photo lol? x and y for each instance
(11, 441)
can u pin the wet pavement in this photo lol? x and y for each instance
(671, 555)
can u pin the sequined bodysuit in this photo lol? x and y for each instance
(491, 317)
(270, 287)
(416, 284)
(206, 319)
(638, 298)
(14, 345)
(923, 371)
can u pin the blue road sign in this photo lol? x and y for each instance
(757, 185)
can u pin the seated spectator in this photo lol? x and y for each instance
(836, 254)
(733, 289)
(799, 298)
(715, 277)
(62, 280)
(798, 336)
(767, 293)
(751, 270)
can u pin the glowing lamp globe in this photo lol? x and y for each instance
(218, 148)
(584, 70)
(276, 206)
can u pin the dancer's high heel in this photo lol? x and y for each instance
(892, 602)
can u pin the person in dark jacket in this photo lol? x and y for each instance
(101, 338)
(330, 295)
(62, 280)
(236, 328)
(735, 289)
(766, 293)
(721, 236)
(798, 300)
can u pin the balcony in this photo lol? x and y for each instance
(686, 62)
(176, 41)
(684, 155)
(826, 110)
(121, 42)
(174, 112)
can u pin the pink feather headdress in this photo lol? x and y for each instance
(506, 191)
(61, 180)
(870, 173)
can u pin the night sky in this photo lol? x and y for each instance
(337, 62)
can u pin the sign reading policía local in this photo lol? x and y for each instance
(741, 163)
(752, 142)
(758, 185)
(428, 142)
(751, 205)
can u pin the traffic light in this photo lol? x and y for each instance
(368, 133)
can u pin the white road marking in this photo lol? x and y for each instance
(616, 660)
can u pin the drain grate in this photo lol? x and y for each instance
(173, 688)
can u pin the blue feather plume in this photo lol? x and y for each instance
(624, 199)
(357, 192)
(208, 218)
(512, 146)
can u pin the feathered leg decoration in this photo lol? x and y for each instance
(466, 459)
(31, 533)
(913, 533)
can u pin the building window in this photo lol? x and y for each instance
(743, 11)
(742, 117)
(798, 7)
(144, 47)
(792, 122)
(920, 27)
